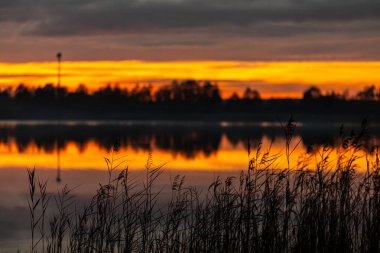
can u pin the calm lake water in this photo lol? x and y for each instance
(75, 151)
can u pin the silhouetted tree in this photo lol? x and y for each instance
(5, 93)
(368, 93)
(61, 92)
(81, 89)
(164, 94)
(211, 92)
(250, 94)
(234, 97)
(336, 96)
(312, 93)
(23, 93)
(189, 91)
(141, 94)
(80, 95)
(46, 93)
(145, 94)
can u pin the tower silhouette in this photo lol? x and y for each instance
(59, 56)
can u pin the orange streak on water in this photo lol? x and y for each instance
(91, 156)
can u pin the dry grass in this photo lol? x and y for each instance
(320, 205)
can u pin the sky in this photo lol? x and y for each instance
(193, 32)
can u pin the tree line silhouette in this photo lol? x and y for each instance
(178, 92)
(189, 91)
(369, 93)
(178, 97)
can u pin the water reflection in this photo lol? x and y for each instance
(189, 146)
(199, 151)
(185, 139)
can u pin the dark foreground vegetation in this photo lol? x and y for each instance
(323, 202)
(180, 100)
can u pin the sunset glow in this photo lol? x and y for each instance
(189, 126)
(272, 79)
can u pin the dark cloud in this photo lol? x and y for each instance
(190, 29)
(80, 17)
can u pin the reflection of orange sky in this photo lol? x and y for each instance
(91, 156)
(280, 79)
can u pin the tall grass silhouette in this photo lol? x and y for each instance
(320, 204)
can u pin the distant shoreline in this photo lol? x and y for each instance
(185, 101)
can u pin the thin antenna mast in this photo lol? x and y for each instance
(59, 56)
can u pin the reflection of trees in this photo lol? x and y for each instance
(236, 135)
(186, 140)
(189, 141)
